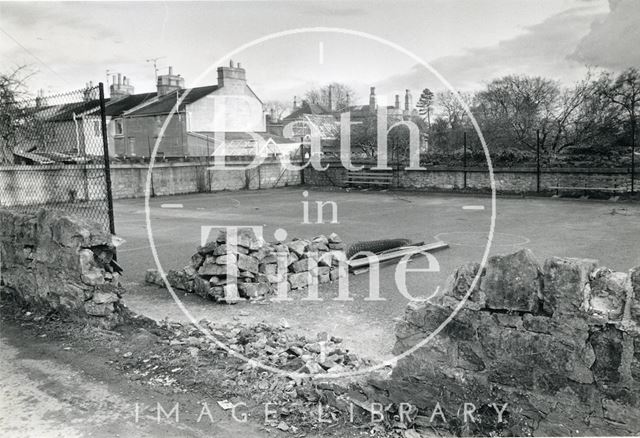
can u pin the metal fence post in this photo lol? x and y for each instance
(633, 153)
(107, 164)
(537, 161)
(464, 158)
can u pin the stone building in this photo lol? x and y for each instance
(309, 117)
(197, 126)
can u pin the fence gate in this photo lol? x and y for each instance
(54, 153)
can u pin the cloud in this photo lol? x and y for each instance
(613, 42)
(543, 49)
(333, 9)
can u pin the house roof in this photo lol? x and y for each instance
(164, 104)
(306, 108)
(117, 107)
(328, 126)
(65, 112)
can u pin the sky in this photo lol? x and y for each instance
(469, 42)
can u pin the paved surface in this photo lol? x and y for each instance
(608, 231)
(51, 392)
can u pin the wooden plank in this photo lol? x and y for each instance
(363, 262)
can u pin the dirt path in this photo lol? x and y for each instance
(50, 391)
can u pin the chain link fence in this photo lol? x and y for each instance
(55, 154)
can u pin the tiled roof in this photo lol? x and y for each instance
(306, 108)
(165, 104)
(117, 107)
(328, 126)
(65, 112)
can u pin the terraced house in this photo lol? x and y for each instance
(223, 119)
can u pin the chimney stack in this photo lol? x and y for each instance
(169, 83)
(121, 88)
(233, 78)
(397, 101)
(372, 100)
(40, 99)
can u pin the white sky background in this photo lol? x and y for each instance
(469, 41)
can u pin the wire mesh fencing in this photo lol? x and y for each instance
(54, 154)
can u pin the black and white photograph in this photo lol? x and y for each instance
(320, 218)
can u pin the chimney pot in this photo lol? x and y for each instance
(397, 101)
(170, 70)
(407, 101)
(119, 79)
(372, 100)
(238, 65)
(231, 63)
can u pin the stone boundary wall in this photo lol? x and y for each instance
(129, 180)
(559, 342)
(514, 180)
(28, 185)
(62, 263)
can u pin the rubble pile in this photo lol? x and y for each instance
(183, 350)
(246, 267)
(59, 262)
(273, 346)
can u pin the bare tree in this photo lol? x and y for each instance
(452, 108)
(15, 115)
(277, 109)
(342, 95)
(624, 92)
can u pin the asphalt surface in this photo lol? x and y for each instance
(608, 231)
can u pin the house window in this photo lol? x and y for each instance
(119, 127)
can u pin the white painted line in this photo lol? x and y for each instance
(473, 207)
(171, 206)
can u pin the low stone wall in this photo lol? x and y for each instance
(558, 343)
(129, 180)
(508, 180)
(61, 263)
(29, 185)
